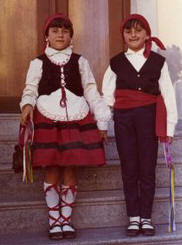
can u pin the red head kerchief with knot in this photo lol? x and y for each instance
(50, 19)
(148, 42)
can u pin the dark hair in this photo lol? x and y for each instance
(60, 22)
(133, 23)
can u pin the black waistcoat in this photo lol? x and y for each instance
(146, 80)
(51, 81)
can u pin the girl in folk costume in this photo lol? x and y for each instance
(138, 87)
(59, 96)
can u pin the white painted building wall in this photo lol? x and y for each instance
(165, 18)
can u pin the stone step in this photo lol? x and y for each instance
(9, 125)
(102, 236)
(92, 210)
(7, 148)
(107, 177)
(112, 154)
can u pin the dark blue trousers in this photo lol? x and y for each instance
(137, 146)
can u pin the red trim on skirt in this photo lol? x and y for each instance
(73, 143)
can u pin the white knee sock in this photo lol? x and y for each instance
(68, 196)
(53, 199)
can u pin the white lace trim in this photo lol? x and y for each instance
(62, 63)
(60, 58)
(49, 106)
(60, 117)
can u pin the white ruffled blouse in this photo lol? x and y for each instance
(77, 107)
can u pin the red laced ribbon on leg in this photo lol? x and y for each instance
(73, 188)
(55, 208)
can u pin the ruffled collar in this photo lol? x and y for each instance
(58, 57)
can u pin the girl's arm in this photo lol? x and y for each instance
(96, 102)
(109, 86)
(30, 92)
(168, 94)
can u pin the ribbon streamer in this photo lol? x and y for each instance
(170, 165)
(26, 139)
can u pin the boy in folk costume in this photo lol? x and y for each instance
(59, 96)
(138, 87)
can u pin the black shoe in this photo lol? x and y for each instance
(133, 231)
(68, 234)
(56, 235)
(147, 231)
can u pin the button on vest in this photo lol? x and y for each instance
(51, 76)
(146, 80)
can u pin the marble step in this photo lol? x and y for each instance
(93, 209)
(9, 126)
(107, 177)
(102, 236)
(7, 148)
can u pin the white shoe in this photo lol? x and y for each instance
(55, 232)
(68, 231)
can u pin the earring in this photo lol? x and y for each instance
(71, 44)
(47, 42)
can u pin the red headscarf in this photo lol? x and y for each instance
(148, 43)
(50, 19)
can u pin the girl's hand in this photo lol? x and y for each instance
(168, 139)
(103, 135)
(27, 112)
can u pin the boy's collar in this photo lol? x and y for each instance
(132, 52)
(50, 51)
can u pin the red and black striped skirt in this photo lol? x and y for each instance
(66, 143)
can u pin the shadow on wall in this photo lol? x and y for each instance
(173, 57)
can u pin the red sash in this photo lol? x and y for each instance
(126, 98)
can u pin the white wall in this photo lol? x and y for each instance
(147, 8)
(170, 21)
(170, 32)
(165, 19)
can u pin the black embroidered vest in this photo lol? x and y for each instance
(51, 81)
(146, 80)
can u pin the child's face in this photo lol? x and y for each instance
(59, 37)
(135, 37)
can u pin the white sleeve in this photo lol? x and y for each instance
(109, 86)
(97, 104)
(168, 94)
(30, 92)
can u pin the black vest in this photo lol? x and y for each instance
(146, 80)
(51, 81)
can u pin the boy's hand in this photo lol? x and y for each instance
(27, 112)
(103, 135)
